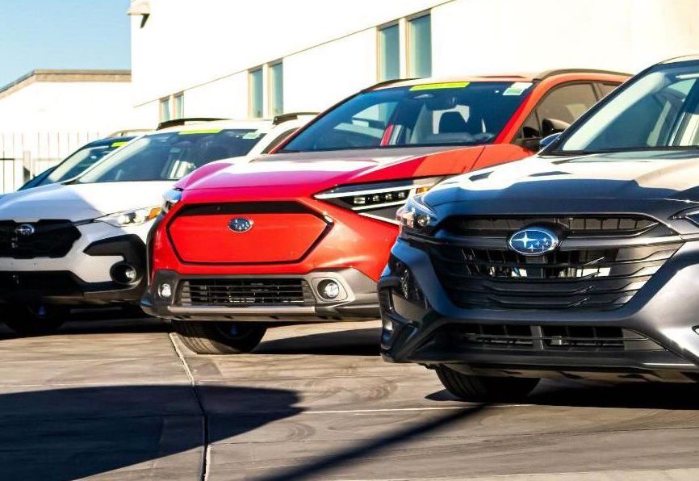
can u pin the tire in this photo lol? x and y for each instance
(219, 337)
(485, 389)
(34, 320)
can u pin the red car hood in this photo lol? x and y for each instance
(291, 175)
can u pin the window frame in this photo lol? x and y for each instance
(254, 93)
(271, 87)
(380, 57)
(410, 51)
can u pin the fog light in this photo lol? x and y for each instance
(165, 291)
(329, 289)
(124, 273)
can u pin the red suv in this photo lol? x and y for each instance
(303, 234)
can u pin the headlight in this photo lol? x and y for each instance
(170, 198)
(380, 200)
(415, 216)
(131, 217)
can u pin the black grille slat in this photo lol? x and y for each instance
(545, 338)
(52, 239)
(477, 269)
(588, 226)
(245, 292)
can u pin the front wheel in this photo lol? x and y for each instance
(219, 337)
(34, 320)
(485, 389)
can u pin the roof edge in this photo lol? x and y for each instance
(66, 75)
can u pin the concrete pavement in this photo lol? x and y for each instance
(124, 400)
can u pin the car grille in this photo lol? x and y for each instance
(594, 278)
(51, 238)
(584, 226)
(245, 292)
(546, 338)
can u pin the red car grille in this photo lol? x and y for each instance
(280, 232)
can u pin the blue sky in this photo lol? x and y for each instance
(62, 34)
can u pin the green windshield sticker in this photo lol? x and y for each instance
(517, 88)
(200, 131)
(439, 86)
(116, 145)
(252, 135)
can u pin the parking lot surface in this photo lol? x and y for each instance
(124, 400)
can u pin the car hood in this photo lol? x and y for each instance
(80, 201)
(305, 173)
(655, 183)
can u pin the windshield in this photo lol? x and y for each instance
(659, 110)
(80, 161)
(172, 155)
(455, 113)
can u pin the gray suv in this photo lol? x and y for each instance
(579, 263)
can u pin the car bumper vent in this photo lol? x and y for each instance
(547, 338)
(245, 292)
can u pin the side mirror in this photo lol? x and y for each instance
(548, 140)
(533, 143)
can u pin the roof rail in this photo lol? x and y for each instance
(278, 119)
(388, 82)
(550, 73)
(183, 121)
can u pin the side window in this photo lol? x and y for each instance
(560, 108)
(606, 89)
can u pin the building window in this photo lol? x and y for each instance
(165, 109)
(389, 52)
(256, 94)
(179, 105)
(420, 46)
(276, 88)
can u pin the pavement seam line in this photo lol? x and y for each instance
(204, 472)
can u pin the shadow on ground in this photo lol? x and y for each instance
(628, 396)
(65, 434)
(356, 342)
(371, 447)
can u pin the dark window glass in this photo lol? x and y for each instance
(658, 110)
(420, 35)
(457, 113)
(389, 53)
(171, 156)
(606, 89)
(560, 108)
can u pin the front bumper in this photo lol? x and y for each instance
(357, 299)
(86, 275)
(665, 311)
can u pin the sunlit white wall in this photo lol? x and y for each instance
(329, 48)
(44, 121)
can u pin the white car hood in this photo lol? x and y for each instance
(78, 202)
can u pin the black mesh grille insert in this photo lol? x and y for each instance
(51, 238)
(245, 292)
(545, 338)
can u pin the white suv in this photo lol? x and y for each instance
(82, 242)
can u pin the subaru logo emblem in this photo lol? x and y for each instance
(240, 224)
(533, 241)
(25, 230)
